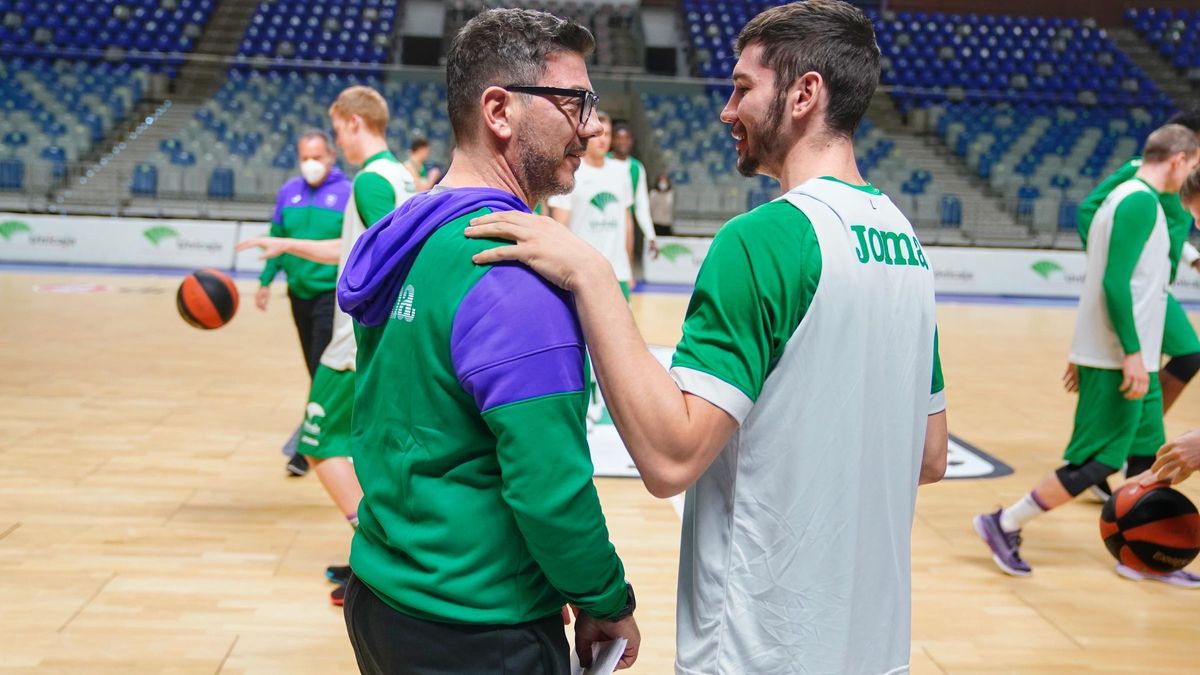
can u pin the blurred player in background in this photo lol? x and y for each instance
(599, 209)
(1179, 458)
(360, 117)
(1116, 348)
(622, 151)
(804, 403)
(310, 207)
(418, 155)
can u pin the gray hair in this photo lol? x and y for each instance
(315, 133)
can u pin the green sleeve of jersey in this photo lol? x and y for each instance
(937, 389)
(754, 288)
(271, 268)
(1179, 226)
(547, 482)
(1133, 222)
(374, 197)
(939, 383)
(1091, 204)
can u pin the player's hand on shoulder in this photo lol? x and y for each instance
(541, 243)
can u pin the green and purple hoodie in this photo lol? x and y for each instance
(306, 212)
(468, 427)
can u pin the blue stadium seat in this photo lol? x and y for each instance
(12, 173)
(220, 184)
(145, 180)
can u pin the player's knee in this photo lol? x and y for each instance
(1184, 367)
(1076, 478)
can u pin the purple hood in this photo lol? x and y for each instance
(383, 255)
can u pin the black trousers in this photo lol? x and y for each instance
(387, 642)
(314, 323)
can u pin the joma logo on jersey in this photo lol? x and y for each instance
(889, 248)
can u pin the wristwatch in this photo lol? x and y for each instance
(630, 605)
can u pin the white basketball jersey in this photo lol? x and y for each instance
(1096, 344)
(795, 554)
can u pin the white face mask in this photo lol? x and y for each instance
(662, 185)
(314, 171)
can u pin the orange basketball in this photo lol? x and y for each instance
(1152, 529)
(207, 299)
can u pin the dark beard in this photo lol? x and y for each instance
(537, 171)
(749, 164)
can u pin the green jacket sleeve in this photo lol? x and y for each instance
(373, 197)
(273, 264)
(554, 501)
(1133, 222)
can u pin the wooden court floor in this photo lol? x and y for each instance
(146, 524)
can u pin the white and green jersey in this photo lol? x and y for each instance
(812, 325)
(641, 195)
(1123, 305)
(598, 206)
(342, 350)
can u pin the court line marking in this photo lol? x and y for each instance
(1017, 595)
(228, 652)
(87, 602)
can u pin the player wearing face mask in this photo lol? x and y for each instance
(309, 206)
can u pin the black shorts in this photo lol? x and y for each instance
(389, 642)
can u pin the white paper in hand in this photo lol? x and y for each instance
(605, 657)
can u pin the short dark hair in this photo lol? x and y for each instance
(1189, 118)
(830, 37)
(418, 143)
(501, 47)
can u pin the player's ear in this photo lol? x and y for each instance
(805, 94)
(497, 106)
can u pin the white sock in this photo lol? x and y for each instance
(1024, 510)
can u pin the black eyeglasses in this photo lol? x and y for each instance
(588, 100)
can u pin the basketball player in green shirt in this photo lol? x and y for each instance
(359, 117)
(1180, 343)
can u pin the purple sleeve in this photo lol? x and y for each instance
(516, 337)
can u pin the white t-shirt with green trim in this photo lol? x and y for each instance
(813, 325)
(598, 207)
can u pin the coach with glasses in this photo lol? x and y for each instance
(479, 520)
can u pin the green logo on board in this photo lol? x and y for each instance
(156, 234)
(673, 251)
(603, 199)
(10, 227)
(1044, 268)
